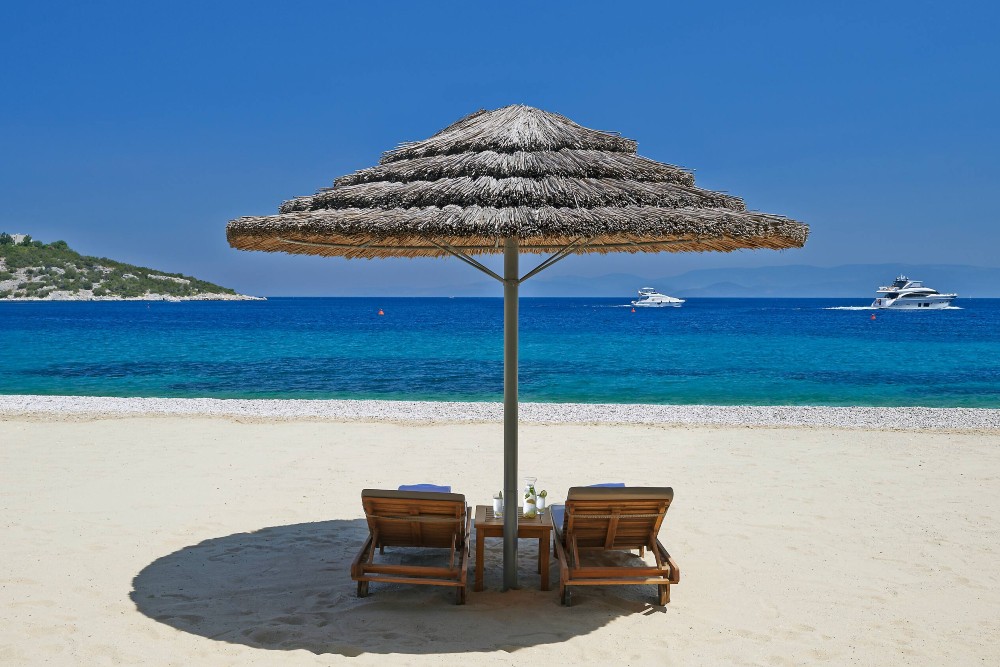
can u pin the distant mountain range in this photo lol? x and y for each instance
(850, 280)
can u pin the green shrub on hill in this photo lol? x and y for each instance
(55, 266)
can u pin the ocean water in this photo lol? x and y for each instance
(711, 351)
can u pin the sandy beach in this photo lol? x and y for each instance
(194, 536)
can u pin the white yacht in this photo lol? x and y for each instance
(650, 298)
(906, 294)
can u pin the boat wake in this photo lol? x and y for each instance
(895, 310)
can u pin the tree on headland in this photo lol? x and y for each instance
(46, 267)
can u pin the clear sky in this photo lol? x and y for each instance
(136, 130)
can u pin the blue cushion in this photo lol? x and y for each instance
(610, 484)
(425, 487)
(558, 515)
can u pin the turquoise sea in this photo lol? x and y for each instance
(712, 351)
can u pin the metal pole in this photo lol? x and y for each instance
(510, 490)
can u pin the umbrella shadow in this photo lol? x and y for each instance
(289, 587)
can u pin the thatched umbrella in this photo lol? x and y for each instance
(508, 181)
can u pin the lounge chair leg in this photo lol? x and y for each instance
(362, 589)
(460, 598)
(664, 594)
(565, 595)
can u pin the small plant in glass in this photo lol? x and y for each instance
(542, 501)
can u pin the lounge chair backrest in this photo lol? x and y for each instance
(616, 518)
(415, 518)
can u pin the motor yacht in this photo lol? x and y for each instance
(650, 298)
(904, 294)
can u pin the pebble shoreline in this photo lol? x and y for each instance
(916, 418)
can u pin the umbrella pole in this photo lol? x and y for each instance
(511, 282)
(510, 492)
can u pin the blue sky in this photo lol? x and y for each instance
(136, 130)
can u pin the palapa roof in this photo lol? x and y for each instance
(514, 172)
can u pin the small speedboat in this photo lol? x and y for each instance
(650, 298)
(904, 294)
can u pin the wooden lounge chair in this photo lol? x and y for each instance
(414, 519)
(618, 519)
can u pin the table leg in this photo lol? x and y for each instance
(543, 560)
(480, 540)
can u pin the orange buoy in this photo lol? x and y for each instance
(381, 312)
(633, 310)
(873, 316)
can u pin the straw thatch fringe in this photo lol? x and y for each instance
(509, 129)
(514, 172)
(503, 192)
(565, 162)
(373, 232)
(332, 245)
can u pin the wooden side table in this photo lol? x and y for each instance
(488, 525)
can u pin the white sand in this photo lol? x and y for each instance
(181, 540)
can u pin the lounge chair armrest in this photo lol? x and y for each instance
(561, 555)
(675, 572)
(468, 530)
(357, 569)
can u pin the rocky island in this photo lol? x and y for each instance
(34, 271)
